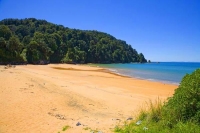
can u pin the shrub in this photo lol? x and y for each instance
(185, 103)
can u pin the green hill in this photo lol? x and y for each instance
(40, 42)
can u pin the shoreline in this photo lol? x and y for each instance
(113, 70)
(107, 70)
(46, 98)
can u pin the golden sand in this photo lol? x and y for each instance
(44, 99)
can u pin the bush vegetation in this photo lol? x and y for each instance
(180, 114)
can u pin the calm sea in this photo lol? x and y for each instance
(167, 72)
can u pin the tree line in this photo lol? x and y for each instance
(38, 41)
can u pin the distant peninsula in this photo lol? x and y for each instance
(40, 42)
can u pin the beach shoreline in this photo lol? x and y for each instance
(116, 71)
(38, 98)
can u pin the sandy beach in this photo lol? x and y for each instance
(45, 98)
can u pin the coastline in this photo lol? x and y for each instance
(38, 98)
(115, 71)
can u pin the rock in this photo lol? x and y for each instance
(99, 132)
(130, 118)
(116, 119)
(145, 128)
(78, 124)
(138, 122)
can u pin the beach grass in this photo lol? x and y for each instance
(87, 128)
(65, 128)
(152, 120)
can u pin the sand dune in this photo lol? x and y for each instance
(38, 99)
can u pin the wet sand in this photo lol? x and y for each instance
(45, 98)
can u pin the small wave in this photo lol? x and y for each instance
(164, 81)
(113, 70)
(155, 80)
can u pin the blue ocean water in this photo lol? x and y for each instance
(167, 72)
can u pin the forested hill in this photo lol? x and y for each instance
(38, 41)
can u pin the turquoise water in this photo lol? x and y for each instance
(167, 72)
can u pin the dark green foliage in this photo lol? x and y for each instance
(141, 58)
(5, 32)
(185, 104)
(40, 41)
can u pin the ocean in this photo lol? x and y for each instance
(166, 72)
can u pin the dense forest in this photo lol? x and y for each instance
(40, 42)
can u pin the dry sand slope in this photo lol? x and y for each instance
(44, 99)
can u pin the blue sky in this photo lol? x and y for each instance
(163, 30)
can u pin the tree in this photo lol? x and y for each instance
(23, 30)
(2, 43)
(14, 44)
(3, 56)
(32, 53)
(5, 32)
